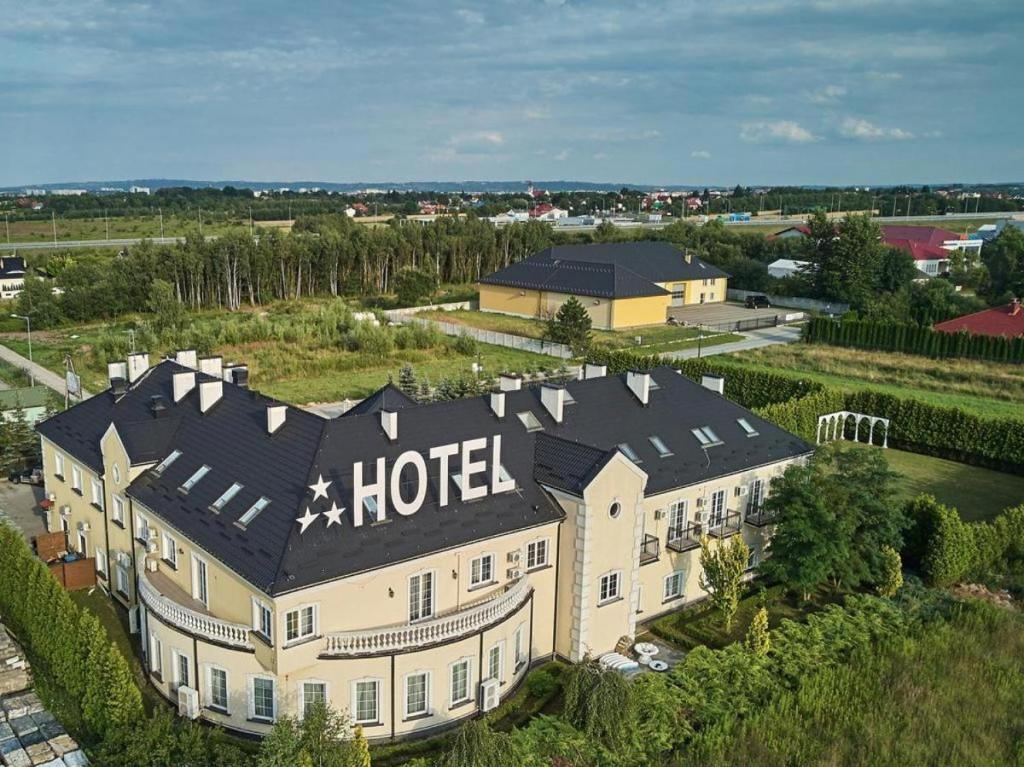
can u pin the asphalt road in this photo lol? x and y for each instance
(43, 376)
(754, 339)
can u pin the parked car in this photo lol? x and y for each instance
(758, 302)
(26, 476)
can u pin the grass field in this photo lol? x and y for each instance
(120, 227)
(652, 339)
(987, 389)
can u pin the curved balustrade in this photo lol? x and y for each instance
(215, 629)
(442, 629)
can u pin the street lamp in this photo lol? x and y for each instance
(28, 322)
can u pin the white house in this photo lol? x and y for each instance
(786, 267)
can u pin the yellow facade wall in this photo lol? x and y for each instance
(714, 290)
(606, 314)
(645, 310)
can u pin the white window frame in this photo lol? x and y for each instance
(258, 608)
(679, 511)
(519, 652)
(141, 528)
(156, 654)
(97, 493)
(376, 700)
(430, 610)
(101, 561)
(675, 577)
(452, 700)
(500, 647)
(121, 573)
(302, 636)
(478, 583)
(169, 549)
(118, 512)
(200, 564)
(536, 545)
(301, 694)
(58, 464)
(427, 685)
(717, 517)
(83, 544)
(177, 656)
(609, 576)
(756, 494)
(76, 478)
(208, 692)
(252, 697)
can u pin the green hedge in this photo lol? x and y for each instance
(913, 339)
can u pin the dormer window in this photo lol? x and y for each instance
(161, 467)
(706, 437)
(191, 481)
(370, 504)
(530, 421)
(630, 452)
(747, 428)
(228, 494)
(660, 446)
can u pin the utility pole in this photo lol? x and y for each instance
(53, 217)
(131, 334)
(908, 206)
(28, 323)
(106, 222)
(250, 222)
(894, 205)
(161, 222)
(200, 222)
(7, 224)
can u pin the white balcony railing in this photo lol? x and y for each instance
(444, 628)
(215, 629)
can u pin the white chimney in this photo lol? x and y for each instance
(186, 358)
(138, 364)
(275, 417)
(510, 382)
(389, 422)
(553, 400)
(595, 371)
(211, 366)
(183, 383)
(498, 403)
(117, 370)
(713, 382)
(210, 393)
(640, 385)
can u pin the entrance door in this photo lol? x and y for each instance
(678, 294)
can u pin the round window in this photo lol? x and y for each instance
(117, 475)
(614, 510)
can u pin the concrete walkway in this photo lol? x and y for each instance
(754, 339)
(43, 376)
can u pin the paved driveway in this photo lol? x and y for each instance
(753, 339)
(714, 314)
(20, 504)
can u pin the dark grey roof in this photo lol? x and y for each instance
(12, 266)
(654, 261)
(578, 277)
(274, 555)
(389, 398)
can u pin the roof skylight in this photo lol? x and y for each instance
(630, 452)
(162, 466)
(660, 446)
(191, 481)
(530, 421)
(503, 475)
(253, 510)
(745, 425)
(705, 436)
(568, 398)
(228, 494)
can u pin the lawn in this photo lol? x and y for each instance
(987, 389)
(122, 227)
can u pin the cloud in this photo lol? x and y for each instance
(563, 155)
(779, 131)
(477, 140)
(830, 94)
(700, 154)
(863, 130)
(474, 18)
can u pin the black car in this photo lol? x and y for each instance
(758, 302)
(27, 476)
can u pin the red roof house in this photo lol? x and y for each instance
(927, 235)
(1005, 321)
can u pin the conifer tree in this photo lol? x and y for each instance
(758, 638)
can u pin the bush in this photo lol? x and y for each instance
(541, 683)
(465, 344)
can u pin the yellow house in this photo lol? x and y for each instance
(408, 563)
(622, 284)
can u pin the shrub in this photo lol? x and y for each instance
(465, 344)
(541, 683)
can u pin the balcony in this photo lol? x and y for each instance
(726, 525)
(760, 517)
(684, 538)
(650, 549)
(444, 628)
(169, 601)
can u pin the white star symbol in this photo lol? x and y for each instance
(320, 488)
(306, 520)
(333, 515)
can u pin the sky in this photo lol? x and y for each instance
(673, 92)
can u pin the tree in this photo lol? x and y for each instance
(407, 381)
(38, 301)
(476, 745)
(412, 285)
(599, 702)
(758, 638)
(323, 737)
(845, 260)
(571, 326)
(892, 576)
(281, 745)
(169, 311)
(722, 570)
(1004, 258)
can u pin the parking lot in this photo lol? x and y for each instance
(20, 504)
(721, 313)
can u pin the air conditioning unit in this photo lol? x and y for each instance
(188, 702)
(703, 517)
(489, 695)
(514, 573)
(123, 560)
(83, 527)
(514, 557)
(659, 514)
(152, 546)
(701, 502)
(151, 536)
(65, 511)
(133, 619)
(152, 565)
(741, 490)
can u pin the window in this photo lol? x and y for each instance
(530, 421)
(365, 701)
(253, 510)
(217, 688)
(116, 470)
(660, 446)
(141, 528)
(122, 580)
(494, 662)
(227, 495)
(717, 508)
(503, 475)
(170, 550)
(417, 694)
(753, 559)
(118, 509)
(706, 437)
(610, 587)
(200, 587)
(674, 585)
(310, 694)
(421, 596)
(677, 518)
(749, 430)
(756, 495)
(300, 623)
(180, 669)
(101, 561)
(520, 647)
(156, 655)
(262, 620)
(460, 681)
(76, 478)
(83, 544)
(630, 452)
(481, 570)
(162, 466)
(370, 504)
(58, 463)
(614, 510)
(97, 495)
(191, 481)
(536, 554)
(262, 697)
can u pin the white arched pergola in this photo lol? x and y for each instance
(832, 426)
